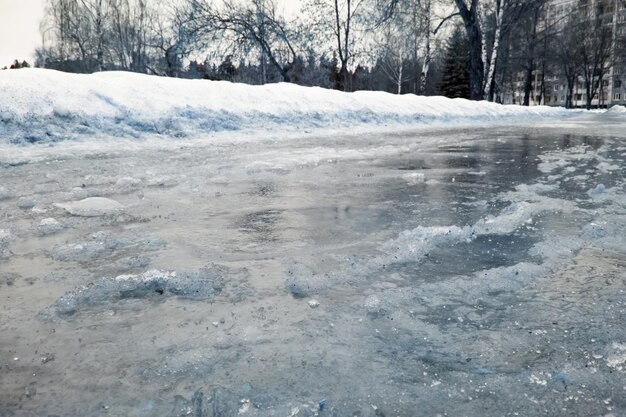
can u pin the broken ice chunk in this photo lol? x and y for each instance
(599, 189)
(92, 207)
(25, 203)
(201, 285)
(49, 226)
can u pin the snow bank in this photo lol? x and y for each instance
(617, 110)
(43, 106)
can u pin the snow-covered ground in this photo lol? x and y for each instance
(451, 271)
(43, 106)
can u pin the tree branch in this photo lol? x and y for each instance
(444, 21)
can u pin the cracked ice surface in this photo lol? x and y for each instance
(475, 272)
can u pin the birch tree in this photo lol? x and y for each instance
(399, 44)
(489, 81)
(340, 24)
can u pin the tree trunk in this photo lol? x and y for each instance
(343, 77)
(496, 46)
(400, 74)
(476, 62)
(530, 62)
(99, 36)
(570, 93)
(528, 82)
(475, 38)
(427, 58)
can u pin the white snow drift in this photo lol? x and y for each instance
(43, 106)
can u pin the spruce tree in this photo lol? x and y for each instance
(455, 82)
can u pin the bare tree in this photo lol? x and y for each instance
(398, 37)
(568, 56)
(131, 24)
(173, 36)
(341, 23)
(428, 33)
(253, 23)
(77, 32)
(595, 48)
(534, 38)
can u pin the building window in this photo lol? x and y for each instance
(617, 96)
(618, 84)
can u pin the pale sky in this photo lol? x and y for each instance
(19, 29)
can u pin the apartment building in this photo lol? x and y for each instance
(551, 88)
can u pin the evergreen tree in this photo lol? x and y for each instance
(227, 69)
(455, 82)
(17, 65)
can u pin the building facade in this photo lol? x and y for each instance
(549, 85)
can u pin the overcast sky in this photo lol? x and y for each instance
(19, 29)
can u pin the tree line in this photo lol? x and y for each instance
(477, 49)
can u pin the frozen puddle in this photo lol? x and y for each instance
(477, 273)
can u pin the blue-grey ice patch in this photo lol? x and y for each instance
(8, 278)
(102, 244)
(375, 306)
(127, 184)
(559, 160)
(414, 178)
(416, 244)
(616, 194)
(6, 237)
(182, 362)
(538, 188)
(508, 220)
(606, 167)
(448, 292)
(599, 189)
(557, 251)
(302, 281)
(412, 245)
(201, 285)
(616, 356)
(25, 203)
(132, 262)
(5, 193)
(595, 230)
(92, 207)
(606, 232)
(49, 226)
